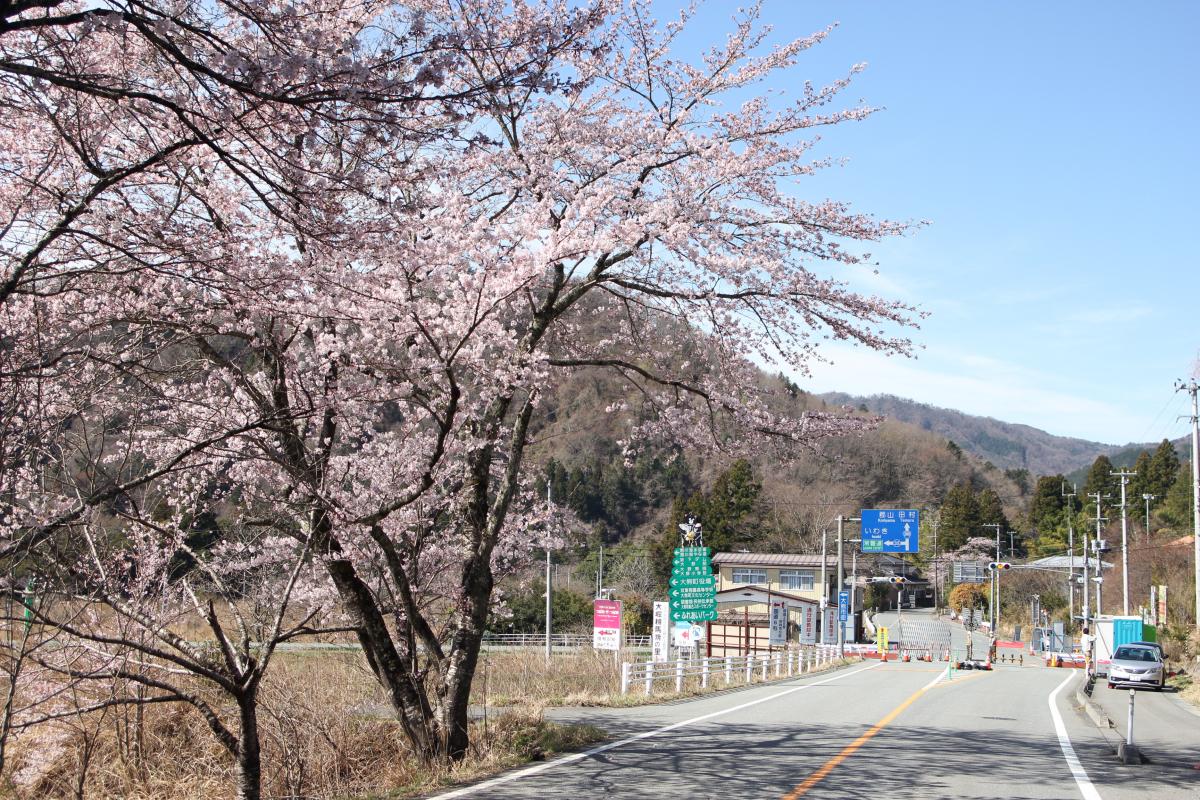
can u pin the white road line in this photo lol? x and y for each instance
(525, 773)
(1077, 771)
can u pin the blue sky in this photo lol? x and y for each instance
(1054, 149)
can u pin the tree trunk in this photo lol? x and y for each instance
(392, 670)
(462, 659)
(249, 755)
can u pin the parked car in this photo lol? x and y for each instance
(1137, 665)
(1162, 656)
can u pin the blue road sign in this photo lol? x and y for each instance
(890, 530)
(843, 606)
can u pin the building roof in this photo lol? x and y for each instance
(773, 559)
(757, 594)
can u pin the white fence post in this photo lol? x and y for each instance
(766, 658)
(728, 670)
(649, 677)
(625, 667)
(778, 664)
(704, 674)
(749, 667)
(679, 674)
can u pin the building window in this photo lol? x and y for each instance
(796, 579)
(745, 575)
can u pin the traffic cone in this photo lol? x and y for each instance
(907, 659)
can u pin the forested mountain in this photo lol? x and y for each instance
(761, 504)
(1005, 444)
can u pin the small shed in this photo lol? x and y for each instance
(743, 616)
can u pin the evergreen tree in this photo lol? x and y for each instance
(1176, 508)
(1100, 479)
(959, 516)
(729, 515)
(1163, 470)
(1140, 483)
(991, 511)
(1048, 515)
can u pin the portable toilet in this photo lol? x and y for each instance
(1126, 630)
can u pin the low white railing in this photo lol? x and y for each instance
(745, 668)
(556, 640)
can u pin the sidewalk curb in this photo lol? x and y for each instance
(1093, 710)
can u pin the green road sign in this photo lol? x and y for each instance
(694, 614)
(693, 590)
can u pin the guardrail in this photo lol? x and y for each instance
(556, 640)
(782, 663)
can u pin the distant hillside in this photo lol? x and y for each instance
(1127, 456)
(1004, 444)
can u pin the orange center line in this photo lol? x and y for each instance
(849, 750)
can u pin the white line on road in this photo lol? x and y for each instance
(1077, 771)
(525, 773)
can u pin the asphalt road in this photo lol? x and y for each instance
(870, 730)
(1166, 728)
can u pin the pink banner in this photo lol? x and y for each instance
(606, 613)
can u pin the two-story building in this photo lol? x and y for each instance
(748, 584)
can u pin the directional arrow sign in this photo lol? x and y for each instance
(693, 590)
(890, 530)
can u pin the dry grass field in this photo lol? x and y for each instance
(327, 732)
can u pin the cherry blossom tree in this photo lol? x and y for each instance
(346, 323)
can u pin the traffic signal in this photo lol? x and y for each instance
(999, 565)
(897, 579)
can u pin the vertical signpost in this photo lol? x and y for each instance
(606, 624)
(693, 588)
(778, 623)
(660, 638)
(843, 615)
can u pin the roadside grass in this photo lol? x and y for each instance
(1187, 688)
(322, 737)
(326, 733)
(585, 678)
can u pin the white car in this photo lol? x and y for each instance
(1136, 665)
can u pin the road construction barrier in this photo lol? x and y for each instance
(782, 663)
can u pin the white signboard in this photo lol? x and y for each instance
(683, 634)
(830, 625)
(779, 620)
(808, 630)
(660, 637)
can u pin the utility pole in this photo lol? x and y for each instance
(549, 623)
(936, 572)
(993, 595)
(824, 585)
(1095, 545)
(1192, 388)
(1124, 475)
(1070, 498)
(1148, 498)
(841, 581)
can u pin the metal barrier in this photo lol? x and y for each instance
(779, 663)
(556, 640)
